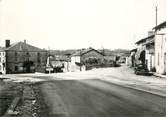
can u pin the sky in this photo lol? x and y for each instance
(75, 24)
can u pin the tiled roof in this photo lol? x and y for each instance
(144, 39)
(59, 58)
(21, 46)
(84, 51)
(133, 50)
(162, 25)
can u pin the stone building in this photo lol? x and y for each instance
(88, 58)
(24, 58)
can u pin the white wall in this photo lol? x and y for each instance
(150, 60)
(160, 49)
(75, 59)
(74, 67)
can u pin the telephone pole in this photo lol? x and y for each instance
(156, 14)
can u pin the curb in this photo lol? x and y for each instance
(139, 89)
(159, 75)
(11, 109)
(151, 92)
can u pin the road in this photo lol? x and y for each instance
(97, 98)
(104, 92)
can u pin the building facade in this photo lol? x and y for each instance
(160, 48)
(146, 51)
(131, 61)
(150, 53)
(24, 58)
(58, 64)
(2, 61)
(86, 59)
(140, 55)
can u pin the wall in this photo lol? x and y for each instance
(2, 62)
(91, 54)
(160, 49)
(150, 54)
(75, 59)
(150, 61)
(18, 58)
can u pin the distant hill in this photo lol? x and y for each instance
(108, 52)
(116, 52)
(62, 52)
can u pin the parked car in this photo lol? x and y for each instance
(141, 69)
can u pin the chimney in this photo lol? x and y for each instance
(25, 41)
(7, 43)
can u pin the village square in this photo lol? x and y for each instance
(84, 72)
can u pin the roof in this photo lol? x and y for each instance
(144, 39)
(133, 50)
(56, 64)
(162, 25)
(149, 42)
(59, 58)
(84, 51)
(2, 49)
(109, 57)
(21, 46)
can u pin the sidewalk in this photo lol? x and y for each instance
(159, 75)
(155, 84)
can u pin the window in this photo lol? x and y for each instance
(27, 53)
(15, 53)
(16, 59)
(27, 56)
(15, 56)
(38, 57)
(16, 68)
(38, 54)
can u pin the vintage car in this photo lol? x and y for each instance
(141, 69)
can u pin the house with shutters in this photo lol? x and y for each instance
(21, 57)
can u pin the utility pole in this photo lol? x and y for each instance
(156, 14)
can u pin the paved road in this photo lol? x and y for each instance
(96, 98)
